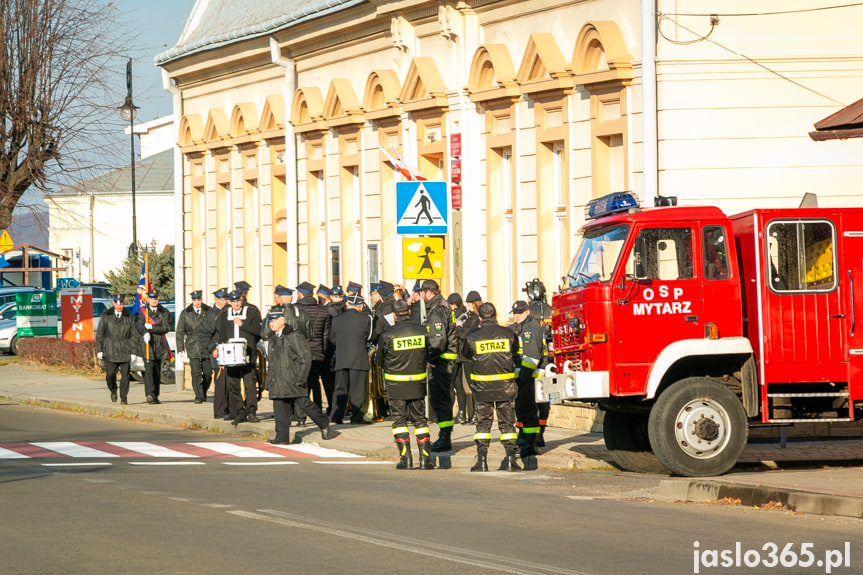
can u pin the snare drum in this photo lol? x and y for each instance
(232, 353)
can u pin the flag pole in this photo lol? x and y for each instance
(146, 304)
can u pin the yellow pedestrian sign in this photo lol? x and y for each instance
(422, 258)
(5, 242)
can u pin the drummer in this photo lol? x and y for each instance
(241, 320)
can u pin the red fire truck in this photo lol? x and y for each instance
(686, 326)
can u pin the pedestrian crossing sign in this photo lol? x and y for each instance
(422, 258)
(421, 208)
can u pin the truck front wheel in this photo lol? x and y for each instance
(698, 428)
(627, 441)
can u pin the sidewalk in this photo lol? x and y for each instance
(777, 476)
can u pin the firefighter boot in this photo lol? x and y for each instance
(528, 452)
(521, 439)
(444, 441)
(405, 456)
(252, 415)
(425, 456)
(540, 441)
(481, 458)
(509, 462)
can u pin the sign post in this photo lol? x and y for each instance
(37, 314)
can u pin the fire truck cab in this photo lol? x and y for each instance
(686, 326)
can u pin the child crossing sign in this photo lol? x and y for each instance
(421, 208)
(422, 258)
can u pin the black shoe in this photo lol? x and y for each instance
(151, 399)
(301, 422)
(325, 433)
(124, 402)
(360, 422)
(481, 463)
(156, 401)
(275, 441)
(239, 418)
(471, 420)
(252, 416)
(460, 417)
(114, 396)
(199, 400)
(444, 441)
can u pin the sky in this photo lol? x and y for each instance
(157, 25)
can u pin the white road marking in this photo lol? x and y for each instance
(235, 450)
(72, 449)
(77, 464)
(9, 454)
(353, 462)
(464, 556)
(311, 449)
(150, 449)
(167, 463)
(260, 462)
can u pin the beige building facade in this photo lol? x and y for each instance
(286, 110)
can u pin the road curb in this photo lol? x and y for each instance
(706, 490)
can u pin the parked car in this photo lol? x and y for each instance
(8, 310)
(7, 294)
(9, 330)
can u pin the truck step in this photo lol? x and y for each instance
(827, 394)
(812, 420)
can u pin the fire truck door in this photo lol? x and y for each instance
(657, 301)
(852, 268)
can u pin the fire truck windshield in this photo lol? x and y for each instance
(597, 255)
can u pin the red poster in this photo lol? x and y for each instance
(455, 171)
(455, 200)
(76, 314)
(455, 145)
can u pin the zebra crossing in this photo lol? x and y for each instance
(154, 450)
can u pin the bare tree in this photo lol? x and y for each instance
(57, 58)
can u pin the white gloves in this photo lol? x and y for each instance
(148, 326)
(184, 357)
(99, 355)
(146, 338)
(133, 358)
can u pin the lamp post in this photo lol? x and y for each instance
(128, 111)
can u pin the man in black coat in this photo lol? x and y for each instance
(116, 342)
(331, 299)
(402, 354)
(289, 358)
(457, 386)
(383, 314)
(208, 338)
(189, 348)
(349, 333)
(320, 321)
(243, 321)
(153, 322)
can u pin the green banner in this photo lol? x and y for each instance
(37, 313)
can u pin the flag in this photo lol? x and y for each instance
(143, 288)
(409, 173)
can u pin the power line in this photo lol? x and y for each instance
(778, 13)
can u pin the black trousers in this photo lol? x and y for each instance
(314, 383)
(111, 377)
(440, 397)
(526, 407)
(405, 411)
(241, 378)
(220, 390)
(152, 377)
(202, 372)
(283, 408)
(505, 423)
(328, 379)
(349, 383)
(458, 387)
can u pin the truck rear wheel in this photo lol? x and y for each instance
(627, 441)
(698, 428)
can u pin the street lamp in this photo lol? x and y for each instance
(128, 112)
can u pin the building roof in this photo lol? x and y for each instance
(152, 174)
(841, 125)
(216, 23)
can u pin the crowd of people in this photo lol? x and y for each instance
(322, 347)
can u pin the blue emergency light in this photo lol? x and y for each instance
(610, 204)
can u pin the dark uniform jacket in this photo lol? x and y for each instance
(160, 319)
(403, 356)
(531, 348)
(380, 323)
(334, 308)
(442, 334)
(208, 332)
(493, 350)
(349, 332)
(319, 320)
(187, 331)
(117, 339)
(288, 363)
(417, 312)
(294, 317)
(470, 323)
(250, 328)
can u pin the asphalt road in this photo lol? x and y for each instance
(302, 515)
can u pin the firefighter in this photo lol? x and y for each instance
(283, 297)
(403, 356)
(116, 342)
(531, 352)
(541, 311)
(417, 304)
(153, 323)
(443, 345)
(208, 337)
(383, 310)
(245, 319)
(189, 348)
(493, 349)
